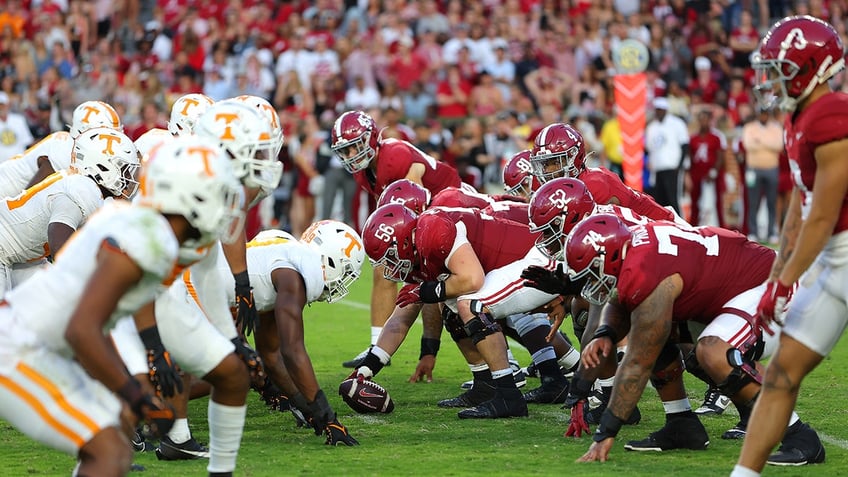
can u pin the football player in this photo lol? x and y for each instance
(54, 152)
(469, 260)
(375, 163)
(650, 276)
(550, 351)
(193, 307)
(288, 275)
(518, 178)
(795, 60)
(559, 151)
(184, 113)
(61, 382)
(37, 222)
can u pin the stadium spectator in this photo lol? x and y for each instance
(762, 140)
(667, 145)
(15, 136)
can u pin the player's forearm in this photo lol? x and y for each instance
(97, 356)
(814, 235)
(630, 380)
(431, 319)
(788, 235)
(299, 367)
(236, 255)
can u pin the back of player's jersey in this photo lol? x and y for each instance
(606, 185)
(459, 197)
(625, 214)
(45, 302)
(715, 264)
(16, 173)
(496, 242)
(61, 197)
(394, 159)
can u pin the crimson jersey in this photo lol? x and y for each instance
(715, 264)
(460, 197)
(823, 121)
(394, 159)
(606, 185)
(626, 215)
(706, 152)
(496, 242)
(509, 210)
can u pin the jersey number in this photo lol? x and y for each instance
(665, 233)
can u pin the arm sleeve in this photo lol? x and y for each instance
(63, 210)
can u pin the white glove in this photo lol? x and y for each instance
(316, 185)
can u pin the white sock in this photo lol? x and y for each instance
(180, 432)
(501, 373)
(606, 382)
(478, 367)
(739, 471)
(381, 353)
(226, 424)
(375, 333)
(793, 418)
(568, 360)
(510, 357)
(673, 407)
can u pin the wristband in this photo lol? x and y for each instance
(151, 339)
(132, 393)
(605, 330)
(609, 426)
(242, 279)
(429, 346)
(432, 292)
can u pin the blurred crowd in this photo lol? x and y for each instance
(468, 82)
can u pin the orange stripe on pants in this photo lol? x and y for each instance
(57, 396)
(42, 411)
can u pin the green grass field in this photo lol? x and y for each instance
(421, 439)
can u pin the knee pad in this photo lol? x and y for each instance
(696, 370)
(481, 326)
(744, 373)
(668, 367)
(453, 324)
(579, 323)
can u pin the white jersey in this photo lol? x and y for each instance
(16, 173)
(62, 198)
(150, 139)
(43, 305)
(265, 256)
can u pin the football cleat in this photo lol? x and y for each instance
(714, 403)
(479, 393)
(736, 432)
(800, 446)
(188, 450)
(678, 433)
(139, 444)
(505, 403)
(552, 391)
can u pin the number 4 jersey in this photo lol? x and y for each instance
(715, 264)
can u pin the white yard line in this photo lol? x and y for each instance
(841, 443)
(355, 304)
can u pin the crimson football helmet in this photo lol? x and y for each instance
(518, 176)
(595, 249)
(388, 238)
(407, 193)
(354, 140)
(555, 209)
(795, 56)
(558, 151)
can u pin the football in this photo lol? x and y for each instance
(366, 397)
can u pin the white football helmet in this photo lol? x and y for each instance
(272, 234)
(342, 255)
(190, 177)
(269, 113)
(185, 111)
(109, 158)
(245, 134)
(92, 114)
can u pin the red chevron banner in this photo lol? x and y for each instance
(630, 102)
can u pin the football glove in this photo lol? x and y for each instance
(251, 359)
(554, 282)
(163, 371)
(337, 434)
(322, 415)
(158, 416)
(772, 306)
(246, 317)
(577, 426)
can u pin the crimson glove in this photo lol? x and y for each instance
(408, 295)
(578, 425)
(772, 305)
